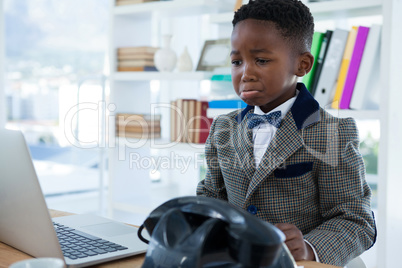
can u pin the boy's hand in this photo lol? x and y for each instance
(295, 242)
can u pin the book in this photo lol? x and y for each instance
(135, 63)
(137, 69)
(367, 82)
(137, 117)
(136, 56)
(138, 135)
(237, 104)
(188, 114)
(132, 50)
(139, 129)
(189, 122)
(145, 121)
(201, 125)
(132, 2)
(180, 120)
(315, 50)
(329, 73)
(204, 129)
(355, 60)
(173, 118)
(343, 71)
(138, 123)
(320, 60)
(191, 117)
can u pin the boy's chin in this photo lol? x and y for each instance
(252, 103)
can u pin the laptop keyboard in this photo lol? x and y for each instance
(76, 244)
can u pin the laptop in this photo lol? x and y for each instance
(26, 225)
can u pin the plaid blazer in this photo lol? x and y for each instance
(311, 175)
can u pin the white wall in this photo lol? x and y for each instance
(2, 56)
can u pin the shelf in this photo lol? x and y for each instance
(324, 10)
(144, 76)
(173, 8)
(359, 115)
(161, 144)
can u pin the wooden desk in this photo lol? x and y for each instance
(9, 255)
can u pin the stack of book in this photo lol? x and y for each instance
(140, 126)
(188, 121)
(345, 73)
(132, 2)
(136, 59)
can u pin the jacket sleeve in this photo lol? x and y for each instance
(213, 185)
(349, 227)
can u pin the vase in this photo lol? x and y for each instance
(185, 64)
(165, 58)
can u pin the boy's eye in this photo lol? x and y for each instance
(236, 62)
(262, 61)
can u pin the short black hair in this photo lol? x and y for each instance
(292, 19)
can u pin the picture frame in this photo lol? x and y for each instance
(239, 3)
(215, 54)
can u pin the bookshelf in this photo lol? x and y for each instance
(143, 24)
(133, 164)
(324, 10)
(171, 8)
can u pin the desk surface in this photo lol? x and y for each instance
(9, 255)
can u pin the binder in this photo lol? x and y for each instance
(361, 38)
(321, 59)
(315, 51)
(329, 73)
(367, 81)
(343, 71)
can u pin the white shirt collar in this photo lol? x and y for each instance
(284, 107)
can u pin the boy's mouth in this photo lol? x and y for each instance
(249, 93)
(249, 90)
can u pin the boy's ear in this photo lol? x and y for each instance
(305, 64)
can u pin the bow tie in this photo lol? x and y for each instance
(273, 118)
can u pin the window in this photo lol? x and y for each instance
(55, 57)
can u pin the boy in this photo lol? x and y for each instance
(300, 169)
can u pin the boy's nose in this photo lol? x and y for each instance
(248, 73)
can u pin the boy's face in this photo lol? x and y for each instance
(264, 68)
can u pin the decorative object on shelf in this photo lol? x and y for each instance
(215, 53)
(185, 64)
(165, 58)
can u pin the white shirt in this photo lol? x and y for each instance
(263, 134)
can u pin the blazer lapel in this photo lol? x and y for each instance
(243, 145)
(286, 142)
